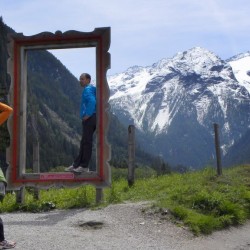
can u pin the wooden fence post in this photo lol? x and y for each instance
(20, 195)
(99, 195)
(36, 166)
(36, 154)
(217, 148)
(131, 155)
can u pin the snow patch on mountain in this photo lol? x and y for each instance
(241, 69)
(202, 107)
(197, 59)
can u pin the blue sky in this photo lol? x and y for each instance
(142, 31)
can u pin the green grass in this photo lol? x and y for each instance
(200, 200)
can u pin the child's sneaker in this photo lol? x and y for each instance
(80, 169)
(69, 169)
(7, 244)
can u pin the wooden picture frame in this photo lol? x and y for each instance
(18, 46)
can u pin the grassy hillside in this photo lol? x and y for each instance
(200, 200)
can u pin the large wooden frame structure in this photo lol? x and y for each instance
(18, 47)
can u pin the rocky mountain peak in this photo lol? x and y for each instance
(193, 89)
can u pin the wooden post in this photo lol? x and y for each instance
(20, 197)
(36, 155)
(131, 155)
(99, 195)
(36, 165)
(217, 148)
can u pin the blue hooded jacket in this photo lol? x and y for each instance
(88, 103)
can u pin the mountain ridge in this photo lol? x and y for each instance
(195, 87)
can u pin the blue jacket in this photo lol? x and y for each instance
(88, 103)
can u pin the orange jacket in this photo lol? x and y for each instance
(5, 112)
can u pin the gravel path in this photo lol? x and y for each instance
(116, 227)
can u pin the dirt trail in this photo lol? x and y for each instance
(115, 227)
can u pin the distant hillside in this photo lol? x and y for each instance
(54, 100)
(239, 153)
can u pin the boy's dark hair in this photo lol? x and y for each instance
(88, 76)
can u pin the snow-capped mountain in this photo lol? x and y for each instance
(175, 102)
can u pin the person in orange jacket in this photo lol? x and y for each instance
(5, 112)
